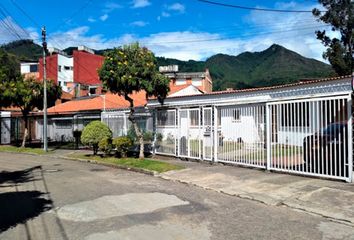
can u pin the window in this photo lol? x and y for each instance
(236, 115)
(197, 82)
(63, 124)
(59, 68)
(180, 81)
(194, 118)
(92, 91)
(166, 118)
(66, 68)
(33, 68)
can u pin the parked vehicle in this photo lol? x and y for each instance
(326, 151)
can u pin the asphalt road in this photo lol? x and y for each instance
(51, 198)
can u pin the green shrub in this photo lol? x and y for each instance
(93, 133)
(122, 145)
(159, 137)
(105, 145)
(148, 136)
(131, 134)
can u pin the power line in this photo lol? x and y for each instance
(87, 3)
(24, 13)
(8, 24)
(255, 8)
(192, 40)
(4, 12)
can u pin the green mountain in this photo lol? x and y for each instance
(25, 50)
(273, 66)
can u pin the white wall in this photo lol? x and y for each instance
(190, 90)
(65, 76)
(245, 129)
(25, 67)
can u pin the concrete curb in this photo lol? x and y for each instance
(29, 153)
(138, 170)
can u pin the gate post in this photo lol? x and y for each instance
(350, 139)
(215, 142)
(268, 122)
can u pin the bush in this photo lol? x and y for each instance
(93, 133)
(159, 137)
(148, 136)
(122, 145)
(105, 145)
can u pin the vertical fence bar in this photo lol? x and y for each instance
(350, 139)
(215, 118)
(268, 134)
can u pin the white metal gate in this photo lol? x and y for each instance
(241, 135)
(189, 141)
(166, 132)
(311, 137)
(207, 143)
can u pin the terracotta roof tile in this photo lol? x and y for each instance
(109, 100)
(271, 87)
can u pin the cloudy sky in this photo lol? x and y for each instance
(187, 29)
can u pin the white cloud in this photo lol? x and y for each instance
(110, 6)
(178, 7)
(293, 31)
(91, 19)
(173, 9)
(104, 17)
(10, 31)
(139, 24)
(165, 14)
(140, 3)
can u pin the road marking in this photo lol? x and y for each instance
(118, 205)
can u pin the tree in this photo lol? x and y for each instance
(340, 15)
(93, 133)
(9, 72)
(27, 95)
(130, 69)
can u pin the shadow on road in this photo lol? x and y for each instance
(17, 177)
(17, 207)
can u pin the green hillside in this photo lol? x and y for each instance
(273, 66)
(25, 50)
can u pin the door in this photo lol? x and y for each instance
(189, 133)
(207, 143)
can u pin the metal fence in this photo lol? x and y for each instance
(311, 137)
(241, 135)
(303, 136)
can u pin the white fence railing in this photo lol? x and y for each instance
(309, 136)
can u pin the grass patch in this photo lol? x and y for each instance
(146, 164)
(22, 150)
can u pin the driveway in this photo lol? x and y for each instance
(45, 197)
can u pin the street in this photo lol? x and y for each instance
(43, 197)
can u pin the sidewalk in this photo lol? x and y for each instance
(331, 199)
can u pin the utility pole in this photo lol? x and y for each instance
(45, 122)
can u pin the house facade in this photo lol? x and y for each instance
(277, 128)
